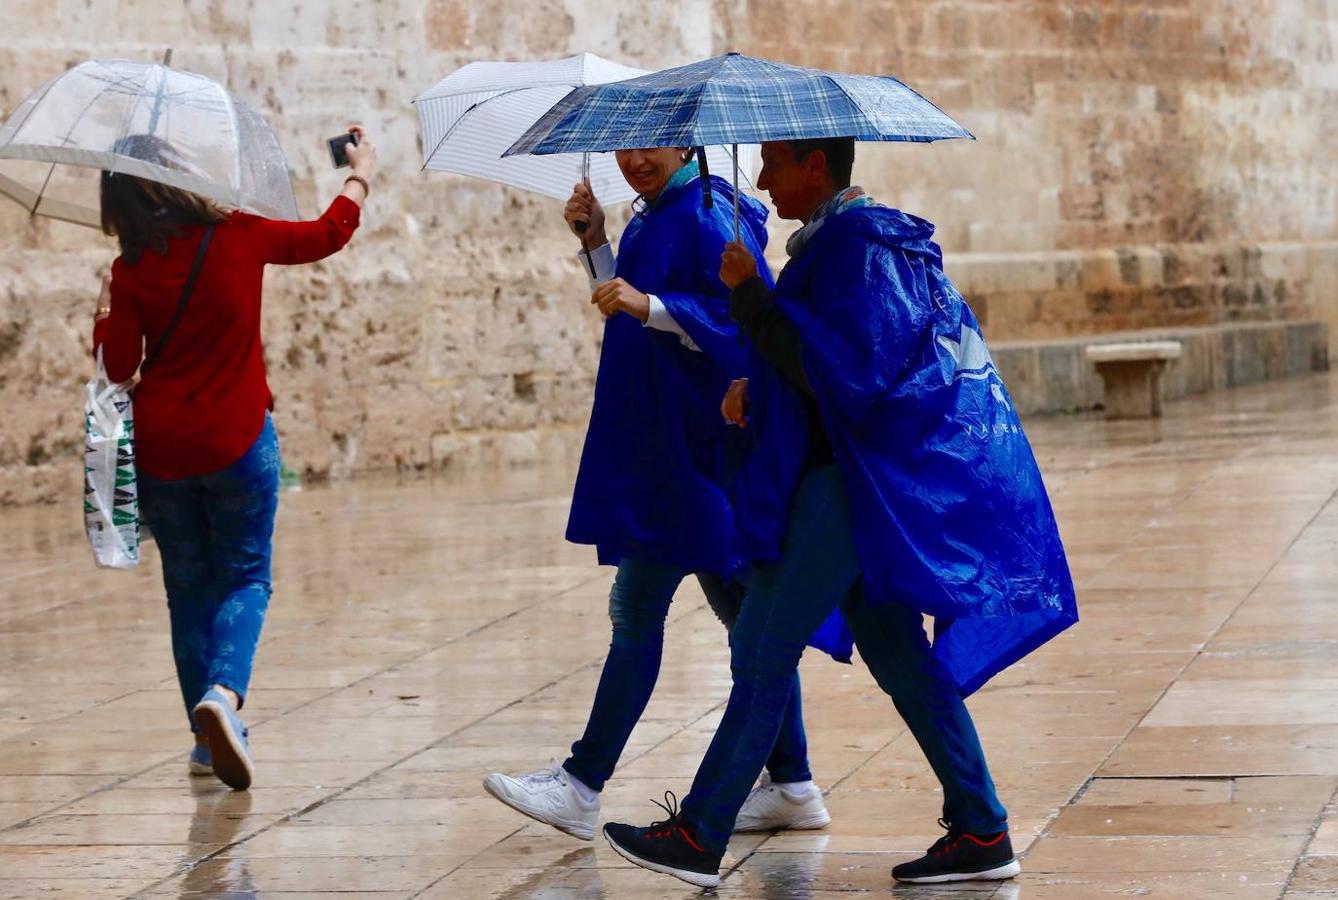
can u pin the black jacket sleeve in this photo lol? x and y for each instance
(774, 336)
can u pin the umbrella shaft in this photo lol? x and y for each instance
(735, 149)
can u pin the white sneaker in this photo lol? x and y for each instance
(547, 796)
(780, 807)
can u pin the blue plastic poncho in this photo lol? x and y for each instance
(949, 512)
(653, 474)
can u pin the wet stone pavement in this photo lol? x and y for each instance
(1181, 742)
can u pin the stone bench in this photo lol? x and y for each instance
(1132, 373)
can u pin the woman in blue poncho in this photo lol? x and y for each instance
(651, 491)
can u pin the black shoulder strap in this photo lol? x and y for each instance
(181, 304)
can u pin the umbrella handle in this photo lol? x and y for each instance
(589, 260)
(580, 224)
(707, 200)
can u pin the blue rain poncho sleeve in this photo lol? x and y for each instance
(702, 308)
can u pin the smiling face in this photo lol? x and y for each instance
(648, 171)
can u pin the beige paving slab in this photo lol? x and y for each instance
(1271, 856)
(1325, 842)
(1317, 874)
(1228, 702)
(12, 813)
(73, 888)
(133, 830)
(49, 788)
(297, 874)
(111, 863)
(1160, 885)
(1169, 751)
(1230, 808)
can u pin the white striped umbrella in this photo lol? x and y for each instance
(473, 115)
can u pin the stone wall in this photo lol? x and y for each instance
(1139, 164)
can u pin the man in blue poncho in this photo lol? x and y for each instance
(916, 493)
(651, 492)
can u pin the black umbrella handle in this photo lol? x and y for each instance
(581, 225)
(707, 200)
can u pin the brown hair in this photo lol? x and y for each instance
(145, 215)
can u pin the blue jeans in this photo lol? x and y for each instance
(638, 604)
(785, 603)
(215, 536)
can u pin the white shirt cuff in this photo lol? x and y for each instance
(660, 320)
(602, 259)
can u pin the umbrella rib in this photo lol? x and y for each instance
(922, 138)
(237, 136)
(463, 115)
(129, 116)
(37, 201)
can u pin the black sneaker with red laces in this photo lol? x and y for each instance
(667, 847)
(958, 856)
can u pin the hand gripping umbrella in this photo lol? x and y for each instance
(475, 113)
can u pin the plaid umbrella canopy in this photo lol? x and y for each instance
(735, 99)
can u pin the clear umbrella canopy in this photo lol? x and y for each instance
(142, 119)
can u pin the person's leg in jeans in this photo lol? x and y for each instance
(638, 605)
(786, 602)
(241, 503)
(174, 511)
(788, 762)
(892, 642)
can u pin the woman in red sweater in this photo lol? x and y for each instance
(207, 455)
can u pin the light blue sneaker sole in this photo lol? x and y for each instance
(232, 762)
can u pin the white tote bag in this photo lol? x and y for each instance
(111, 491)
(111, 495)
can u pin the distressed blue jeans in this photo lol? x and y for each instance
(819, 571)
(215, 537)
(638, 605)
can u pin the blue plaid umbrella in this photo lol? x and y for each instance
(735, 99)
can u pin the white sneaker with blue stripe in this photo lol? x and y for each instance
(227, 737)
(201, 763)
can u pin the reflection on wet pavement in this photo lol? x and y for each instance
(1181, 742)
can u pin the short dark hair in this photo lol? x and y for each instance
(839, 153)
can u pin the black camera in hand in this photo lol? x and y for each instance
(339, 148)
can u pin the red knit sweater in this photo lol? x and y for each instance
(202, 404)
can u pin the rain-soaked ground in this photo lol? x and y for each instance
(1181, 742)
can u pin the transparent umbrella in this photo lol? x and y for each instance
(143, 119)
